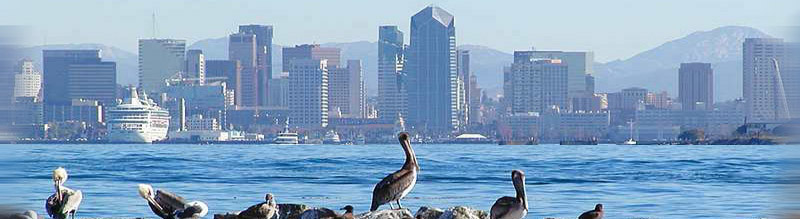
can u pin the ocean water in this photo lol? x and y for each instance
(562, 181)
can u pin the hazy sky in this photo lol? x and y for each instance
(614, 29)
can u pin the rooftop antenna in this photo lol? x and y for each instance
(154, 24)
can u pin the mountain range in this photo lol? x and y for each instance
(655, 69)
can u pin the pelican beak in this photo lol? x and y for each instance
(57, 185)
(153, 201)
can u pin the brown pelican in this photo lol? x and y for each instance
(398, 184)
(263, 210)
(64, 201)
(348, 212)
(597, 213)
(168, 206)
(512, 207)
(325, 213)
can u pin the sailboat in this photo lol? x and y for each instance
(630, 140)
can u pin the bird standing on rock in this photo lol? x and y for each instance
(170, 206)
(397, 185)
(64, 201)
(512, 207)
(264, 210)
(597, 213)
(325, 213)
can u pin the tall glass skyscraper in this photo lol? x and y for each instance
(263, 68)
(392, 98)
(432, 72)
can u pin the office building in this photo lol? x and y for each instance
(308, 93)
(279, 92)
(574, 125)
(347, 98)
(462, 61)
(538, 85)
(432, 71)
(770, 76)
(696, 86)
(242, 48)
(580, 64)
(196, 65)
(311, 51)
(392, 94)
(28, 81)
(263, 67)
(77, 74)
(160, 59)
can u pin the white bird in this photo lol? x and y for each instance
(65, 201)
(168, 205)
(512, 207)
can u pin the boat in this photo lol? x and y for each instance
(630, 141)
(591, 141)
(360, 140)
(286, 136)
(331, 138)
(529, 141)
(137, 120)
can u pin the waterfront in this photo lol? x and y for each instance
(656, 181)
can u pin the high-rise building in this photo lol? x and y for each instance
(462, 60)
(538, 85)
(242, 48)
(696, 86)
(263, 58)
(196, 65)
(159, 60)
(770, 76)
(308, 93)
(279, 92)
(311, 51)
(78, 74)
(580, 64)
(228, 69)
(474, 102)
(392, 94)
(346, 97)
(28, 81)
(432, 71)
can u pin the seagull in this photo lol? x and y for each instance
(169, 206)
(512, 207)
(397, 185)
(597, 213)
(263, 210)
(64, 201)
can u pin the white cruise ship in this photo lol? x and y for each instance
(287, 137)
(137, 120)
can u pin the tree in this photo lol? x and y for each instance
(692, 135)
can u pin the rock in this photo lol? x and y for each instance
(386, 214)
(229, 215)
(458, 212)
(291, 211)
(425, 212)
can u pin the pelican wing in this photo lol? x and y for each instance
(391, 187)
(591, 215)
(72, 199)
(52, 206)
(502, 206)
(259, 211)
(169, 201)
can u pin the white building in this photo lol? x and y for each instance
(580, 65)
(196, 65)
(523, 126)
(665, 124)
(198, 122)
(574, 125)
(308, 93)
(159, 59)
(538, 84)
(769, 73)
(27, 82)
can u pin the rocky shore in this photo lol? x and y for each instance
(295, 211)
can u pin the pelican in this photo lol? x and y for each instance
(168, 205)
(263, 210)
(512, 207)
(325, 213)
(597, 213)
(64, 201)
(397, 185)
(348, 212)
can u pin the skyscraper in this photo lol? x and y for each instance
(432, 71)
(28, 81)
(346, 90)
(308, 93)
(263, 58)
(311, 51)
(769, 70)
(242, 48)
(580, 64)
(196, 65)
(392, 94)
(696, 86)
(78, 74)
(538, 85)
(464, 86)
(160, 59)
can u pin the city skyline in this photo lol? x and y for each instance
(609, 40)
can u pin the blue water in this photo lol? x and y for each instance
(562, 181)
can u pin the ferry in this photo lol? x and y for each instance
(287, 137)
(137, 120)
(331, 138)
